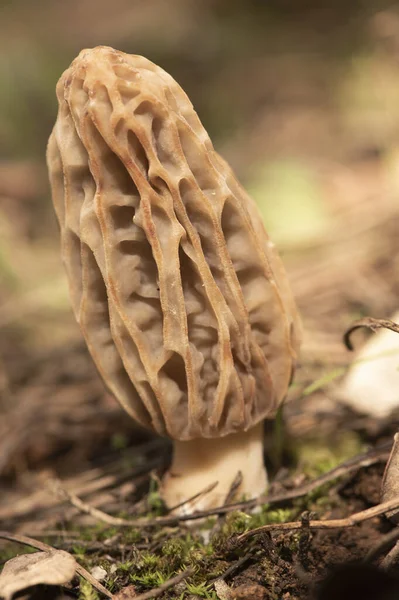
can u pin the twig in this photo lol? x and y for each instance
(156, 592)
(235, 566)
(203, 492)
(86, 508)
(372, 324)
(237, 481)
(352, 464)
(390, 484)
(384, 544)
(363, 460)
(230, 495)
(27, 541)
(364, 515)
(391, 558)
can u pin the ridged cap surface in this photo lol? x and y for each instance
(181, 297)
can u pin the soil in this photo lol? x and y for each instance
(118, 473)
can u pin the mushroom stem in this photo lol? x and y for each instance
(199, 463)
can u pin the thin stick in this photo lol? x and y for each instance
(364, 515)
(156, 592)
(27, 541)
(384, 544)
(363, 460)
(87, 509)
(220, 518)
(203, 492)
(235, 566)
(372, 324)
(391, 558)
(234, 487)
(352, 464)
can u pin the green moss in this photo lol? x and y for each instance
(79, 552)
(202, 590)
(149, 569)
(180, 552)
(147, 560)
(178, 548)
(86, 591)
(235, 523)
(126, 567)
(151, 578)
(265, 516)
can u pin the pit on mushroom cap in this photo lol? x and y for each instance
(182, 300)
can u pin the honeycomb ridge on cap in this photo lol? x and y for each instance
(183, 302)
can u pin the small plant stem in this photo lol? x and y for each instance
(351, 521)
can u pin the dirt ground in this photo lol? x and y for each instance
(322, 124)
(118, 473)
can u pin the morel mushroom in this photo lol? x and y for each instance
(181, 297)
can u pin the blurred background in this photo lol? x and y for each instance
(300, 96)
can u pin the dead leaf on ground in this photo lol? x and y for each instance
(223, 591)
(372, 383)
(126, 593)
(390, 482)
(51, 568)
(255, 592)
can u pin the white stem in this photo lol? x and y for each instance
(199, 463)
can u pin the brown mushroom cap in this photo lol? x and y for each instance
(183, 302)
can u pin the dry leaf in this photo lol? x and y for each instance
(127, 593)
(372, 384)
(99, 573)
(51, 568)
(253, 591)
(223, 591)
(390, 482)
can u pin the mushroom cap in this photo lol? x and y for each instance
(183, 302)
